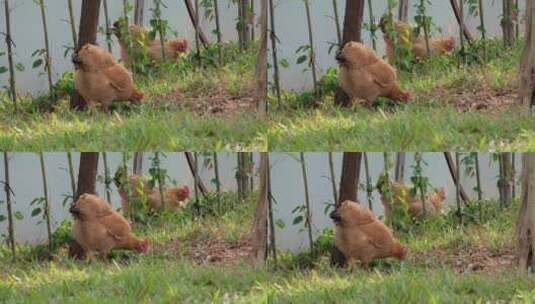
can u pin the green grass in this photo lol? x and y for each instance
(436, 119)
(142, 129)
(169, 275)
(175, 114)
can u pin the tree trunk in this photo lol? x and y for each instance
(242, 174)
(399, 174)
(191, 163)
(312, 52)
(138, 163)
(508, 26)
(10, 222)
(337, 23)
(456, 10)
(527, 68)
(507, 179)
(354, 14)
(260, 227)
(139, 12)
(192, 17)
(526, 219)
(9, 41)
(87, 173)
(261, 76)
(453, 173)
(403, 13)
(217, 181)
(87, 33)
(349, 179)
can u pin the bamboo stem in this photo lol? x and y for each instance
(217, 181)
(478, 179)
(333, 177)
(107, 25)
(160, 30)
(308, 214)
(458, 188)
(48, 61)
(273, 36)
(73, 24)
(218, 31)
(47, 204)
(11, 224)
(372, 25)
(461, 31)
(197, 43)
(312, 53)
(107, 179)
(9, 41)
(195, 177)
(369, 187)
(270, 214)
(71, 175)
(159, 178)
(337, 23)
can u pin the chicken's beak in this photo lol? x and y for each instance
(74, 211)
(335, 216)
(340, 57)
(76, 59)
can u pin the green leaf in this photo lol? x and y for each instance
(3, 69)
(20, 67)
(2, 218)
(298, 220)
(37, 63)
(280, 224)
(301, 59)
(19, 216)
(36, 212)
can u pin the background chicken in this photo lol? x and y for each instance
(174, 48)
(401, 195)
(99, 229)
(140, 192)
(100, 79)
(405, 38)
(359, 235)
(363, 75)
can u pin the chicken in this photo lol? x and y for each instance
(100, 79)
(98, 228)
(360, 236)
(141, 192)
(433, 204)
(402, 195)
(405, 38)
(174, 48)
(438, 46)
(365, 76)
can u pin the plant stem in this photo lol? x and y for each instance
(47, 205)
(7, 189)
(71, 175)
(107, 179)
(333, 178)
(218, 31)
(9, 41)
(308, 214)
(48, 59)
(312, 53)
(273, 36)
